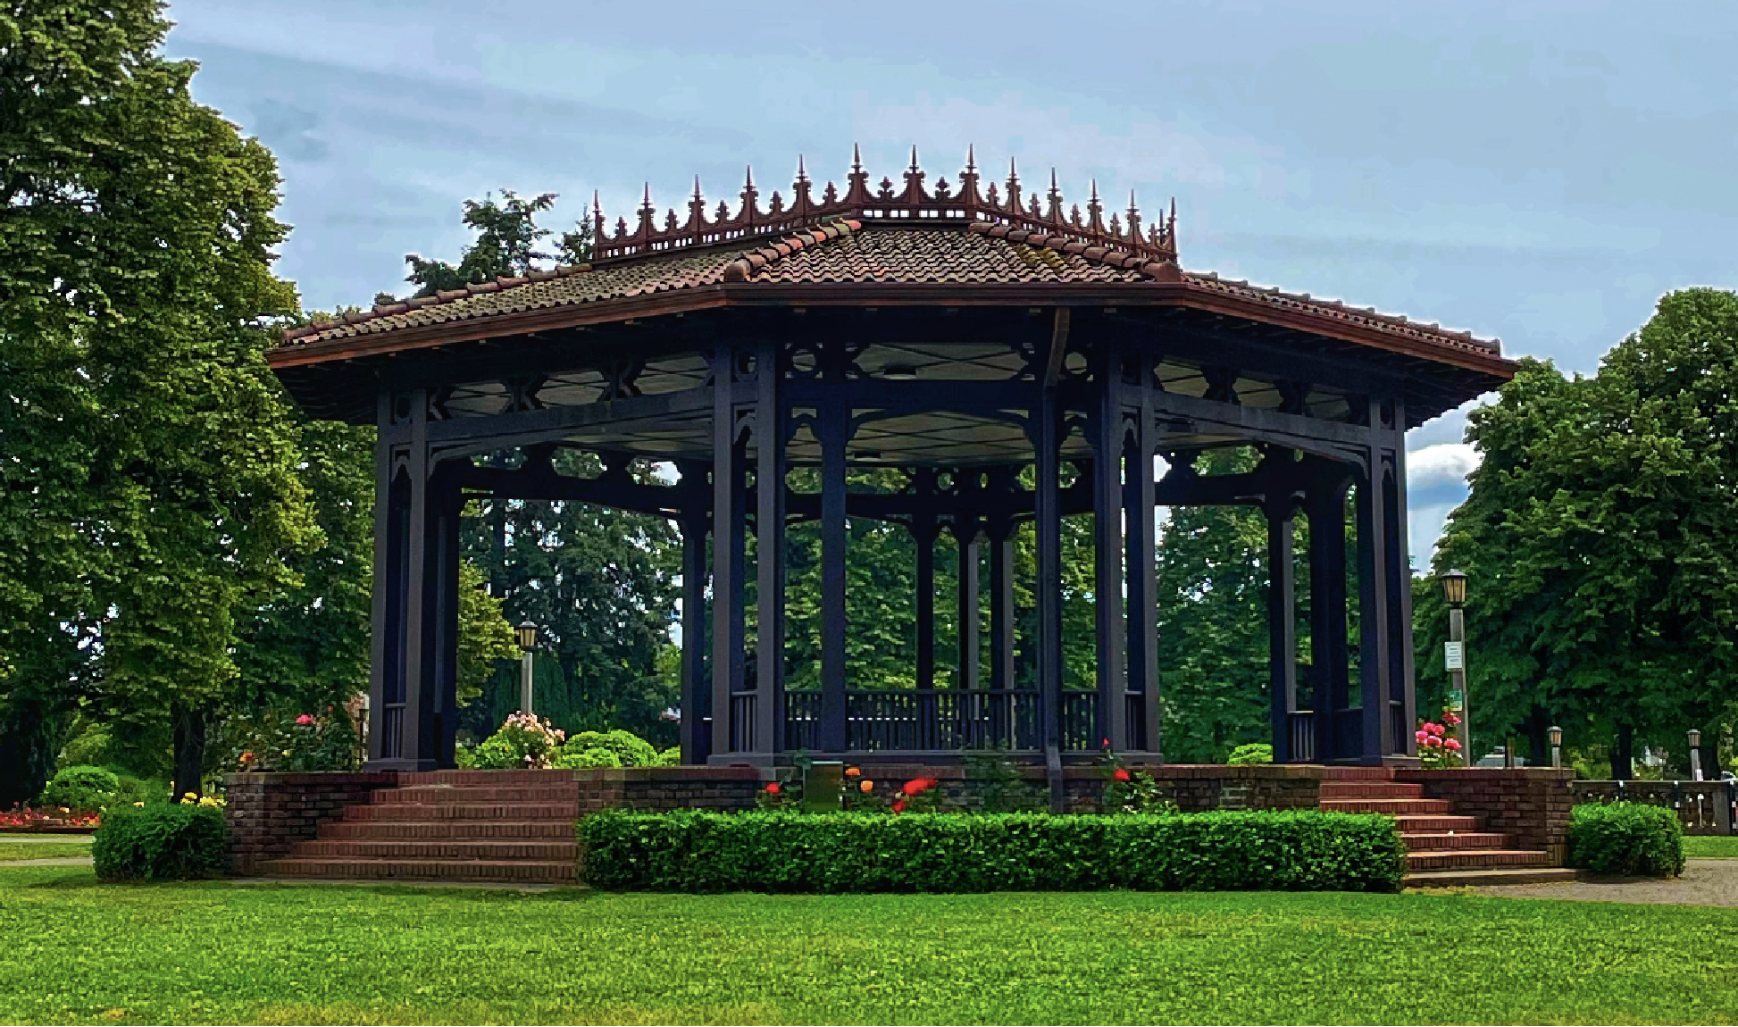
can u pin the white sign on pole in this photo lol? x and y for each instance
(1454, 655)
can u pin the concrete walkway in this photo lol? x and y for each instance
(46, 839)
(1706, 882)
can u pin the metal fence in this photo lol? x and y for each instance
(1705, 807)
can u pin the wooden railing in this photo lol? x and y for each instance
(941, 720)
(1300, 734)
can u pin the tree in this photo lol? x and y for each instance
(505, 244)
(1601, 538)
(1213, 639)
(136, 240)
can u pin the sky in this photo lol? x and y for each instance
(1539, 172)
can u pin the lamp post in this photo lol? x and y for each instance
(1695, 755)
(1555, 734)
(527, 633)
(1454, 590)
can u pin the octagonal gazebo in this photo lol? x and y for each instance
(1018, 359)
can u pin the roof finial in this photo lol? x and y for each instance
(914, 156)
(648, 200)
(802, 173)
(856, 158)
(749, 183)
(971, 157)
(697, 187)
(596, 204)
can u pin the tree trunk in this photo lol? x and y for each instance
(189, 728)
(1623, 754)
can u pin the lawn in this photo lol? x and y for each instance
(1711, 846)
(226, 953)
(11, 850)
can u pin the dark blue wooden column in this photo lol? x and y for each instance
(1139, 495)
(729, 477)
(769, 550)
(696, 696)
(1325, 505)
(833, 427)
(1281, 622)
(1108, 549)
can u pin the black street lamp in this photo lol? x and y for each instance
(1454, 590)
(1555, 734)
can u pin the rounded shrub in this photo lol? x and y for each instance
(159, 842)
(630, 749)
(81, 787)
(1254, 752)
(572, 757)
(1629, 839)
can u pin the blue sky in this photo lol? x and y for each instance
(1536, 171)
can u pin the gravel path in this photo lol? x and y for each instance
(1706, 882)
(45, 839)
(71, 861)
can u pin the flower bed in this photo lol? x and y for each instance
(23, 820)
(777, 851)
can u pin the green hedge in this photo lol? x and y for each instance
(695, 851)
(160, 842)
(1628, 838)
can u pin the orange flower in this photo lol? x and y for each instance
(853, 772)
(866, 786)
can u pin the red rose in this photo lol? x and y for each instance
(773, 789)
(1120, 774)
(915, 786)
(899, 806)
(934, 782)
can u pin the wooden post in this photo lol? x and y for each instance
(1329, 671)
(966, 537)
(834, 429)
(696, 697)
(1048, 522)
(1142, 561)
(1281, 623)
(1373, 609)
(1107, 517)
(728, 457)
(769, 550)
(923, 533)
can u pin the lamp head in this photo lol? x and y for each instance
(527, 633)
(1695, 739)
(1454, 587)
(1554, 733)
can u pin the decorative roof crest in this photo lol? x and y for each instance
(887, 205)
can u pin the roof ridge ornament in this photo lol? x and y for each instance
(1010, 205)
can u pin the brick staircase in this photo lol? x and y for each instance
(486, 827)
(1443, 848)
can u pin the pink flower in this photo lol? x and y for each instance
(1433, 741)
(1452, 744)
(1435, 729)
(1450, 719)
(1421, 734)
(305, 719)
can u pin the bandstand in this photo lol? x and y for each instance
(1017, 359)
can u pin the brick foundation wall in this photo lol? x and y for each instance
(1531, 804)
(270, 813)
(668, 788)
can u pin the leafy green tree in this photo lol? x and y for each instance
(136, 243)
(1601, 541)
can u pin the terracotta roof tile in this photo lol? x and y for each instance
(848, 251)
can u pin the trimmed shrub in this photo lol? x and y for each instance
(573, 758)
(1252, 752)
(630, 749)
(1631, 839)
(159, 842)
(772, 851)
(81, 787)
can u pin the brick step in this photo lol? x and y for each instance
(1481, 878)
(1476, 859)
(1432, 842)
(391, 848)
(1357, 773)
(1370, 790)
(516, 871)
(441, 830)
(1392, 807)
(485, 794)
(487, 778)
(465, 811)
(1426, 823)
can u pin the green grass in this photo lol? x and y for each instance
(1711, 846)
(217, 952)
(42, 850)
